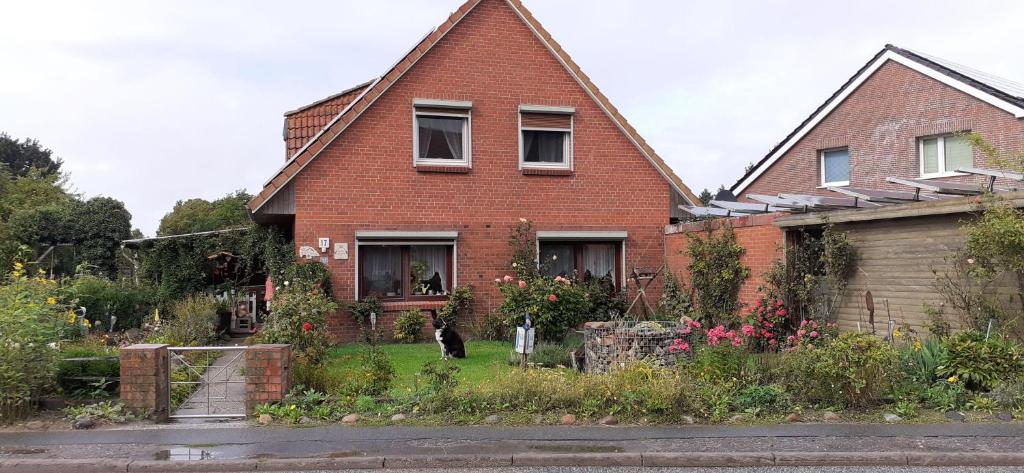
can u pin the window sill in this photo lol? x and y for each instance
(399, 306)
(546, 172)
(834, 184)
(941, 175)
(448, 169)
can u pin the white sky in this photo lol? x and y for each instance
(152, 102)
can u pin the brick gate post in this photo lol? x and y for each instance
(145, 380)
(268, 374)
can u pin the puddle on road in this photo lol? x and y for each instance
(184, 453)
(21, 451)
(578, 448)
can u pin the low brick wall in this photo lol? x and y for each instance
(756, 233)
(145, 381)
(268, 374)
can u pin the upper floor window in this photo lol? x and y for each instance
(546, 137)
(942, 155)
(835, 167)
(441, 134)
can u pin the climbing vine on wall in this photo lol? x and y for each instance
(716, 273)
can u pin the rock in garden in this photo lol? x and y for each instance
(350, 419)
(304, 420)
(35, 425)
(492, 419)
(794, 417)
(568, 419)
(1005, 416)
(84, 423)
(398, 417)
(891, 418)
(830, 416)
(688, 420)
(736, 418)
(265, 419)
(956, 416)
(608, 420)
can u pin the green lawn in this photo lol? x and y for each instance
(484, 359)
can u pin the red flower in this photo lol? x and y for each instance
(306, 326)
(781, 312)
(552, 298)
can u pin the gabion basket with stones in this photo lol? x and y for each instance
(619, 343)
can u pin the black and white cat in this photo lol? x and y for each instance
(450, 341)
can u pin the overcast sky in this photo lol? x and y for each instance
(152, 102)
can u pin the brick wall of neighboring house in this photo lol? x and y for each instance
(880, 123)
(365, 179)
(762, 240)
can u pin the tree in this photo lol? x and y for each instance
(199, 215)
(705, 196)
(21, 157)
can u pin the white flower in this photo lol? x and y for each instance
(521, 219)
(52, 345)
(513, 264)
(286, 283)
(554, 257)
(970, 260)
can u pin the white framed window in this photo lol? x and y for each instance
(835, 167)
(405, 265)
(442, 133)
(940, 156)
(545, 137)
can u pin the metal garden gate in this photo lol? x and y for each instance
(206, 382)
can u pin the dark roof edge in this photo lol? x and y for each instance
(330, 97)
(1018, 101)
(806, 120)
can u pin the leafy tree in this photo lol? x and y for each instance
(199, 215)
(23, 156)
(716, 273)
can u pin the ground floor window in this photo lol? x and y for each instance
(584, 260)
(395, 271)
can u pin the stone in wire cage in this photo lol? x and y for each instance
(619, 343)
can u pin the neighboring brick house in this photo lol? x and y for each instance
(487, 120)
(901, 115)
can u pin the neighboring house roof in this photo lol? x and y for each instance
(303, 123)
(1002, 93)
(371, 93)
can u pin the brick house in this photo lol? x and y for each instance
(426, 168)
(898, 116)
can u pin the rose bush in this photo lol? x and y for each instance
(299, 317)
(555, 305)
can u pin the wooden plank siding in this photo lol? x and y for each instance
(895, 261)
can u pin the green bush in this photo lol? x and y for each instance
(716, 274)
(299, 318)
(767, 398)
(436, 377)
(104, 412)
(980, 363)
(921, 360)
(104, 298)
(854, 370)
(493, 327)
(309, 277)
(192, 322)
(361, 311)
(675, 302)
(376, 374)
(409, 326)
(103, 370)
(315, 377)
(458, 306)
(556, 305)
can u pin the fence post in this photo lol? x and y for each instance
(268, 374)
(145, 379)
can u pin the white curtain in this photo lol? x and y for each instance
(382, 268)
(436, 259)
(448, 128)
(599, 259)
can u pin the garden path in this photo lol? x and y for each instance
(221, 392)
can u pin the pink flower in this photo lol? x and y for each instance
(802, 323)
(778, 303)
(773, 342)
(552, 297)
(737, 342)
(790, 339)
(814, 334)
(801, 332)
(694, 324)
(507, 278)
(781, 312)
(497, 280)
(687, 330)
(522, 284)
(748, 330)
(306, 326)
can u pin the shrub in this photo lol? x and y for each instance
(361, 311)
(192, 322)
(921, 360)
(409, 326)
(315, 377)
(555, 305)
(436, 377)
(605, 302)
(107, 411)
(854, 369)
(104, 298)
(945, 395)
(104, 370)
(980, 363)
(675, 302)
(494, 327)
(548, 355)
(309, 276)
(376, 373)
(716, 274)
(299, 318)
(459, 305)
(757, 399)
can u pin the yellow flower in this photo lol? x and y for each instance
(71, 317)
(19, 266)
(86, 324)
(953, 379)
(896, 333)
(51, 300)
(917, 345)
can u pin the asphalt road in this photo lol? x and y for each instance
(719, 470)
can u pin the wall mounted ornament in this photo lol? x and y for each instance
(308, 252)
(341, 251)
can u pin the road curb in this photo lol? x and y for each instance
(649, 459)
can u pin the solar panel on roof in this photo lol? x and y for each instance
(993, 173)
(705, 211)
(745, 207)
(778, 201)
(879, 195)
(940, 187)
(834, 202)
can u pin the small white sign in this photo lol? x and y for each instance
(341, 251)
(308, 252)
(324, 244)
(524, 340)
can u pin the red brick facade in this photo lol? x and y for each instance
(880, 123)
(762, 241)
(364, 180)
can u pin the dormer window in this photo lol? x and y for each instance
(545, 137)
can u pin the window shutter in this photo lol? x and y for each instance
(560, 121)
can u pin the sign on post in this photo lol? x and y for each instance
(524, 340)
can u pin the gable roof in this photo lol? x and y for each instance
(1001, 93)
(371, 93)
(303, 123)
